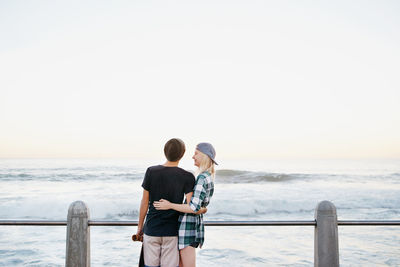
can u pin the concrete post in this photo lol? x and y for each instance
(326, 245)
(78, 236)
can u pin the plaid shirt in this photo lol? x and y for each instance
(191, 226)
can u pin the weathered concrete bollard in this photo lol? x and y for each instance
(326, 245)
(78, 236)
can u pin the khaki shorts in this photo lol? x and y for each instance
(160, 251)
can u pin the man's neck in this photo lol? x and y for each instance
(171, 163)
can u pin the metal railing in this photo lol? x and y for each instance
(326, 248)
(207, 223)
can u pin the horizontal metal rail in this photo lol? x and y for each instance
(207, 223)
(376, 223)
(215, 223)
(32, 223)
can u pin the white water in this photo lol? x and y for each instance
(270, 190)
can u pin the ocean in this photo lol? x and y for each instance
(43, 189)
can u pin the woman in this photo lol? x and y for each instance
(191, 226)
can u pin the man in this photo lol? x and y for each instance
(167, 181)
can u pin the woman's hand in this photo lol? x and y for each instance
(162, 204)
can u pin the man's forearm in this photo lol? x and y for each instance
(144, 205)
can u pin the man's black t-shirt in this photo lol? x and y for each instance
(170, 183)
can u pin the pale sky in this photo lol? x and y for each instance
(257, 79)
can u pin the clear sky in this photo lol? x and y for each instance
(258, 79)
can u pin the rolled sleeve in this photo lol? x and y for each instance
(199, 194)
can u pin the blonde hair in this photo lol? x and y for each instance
(206, 164)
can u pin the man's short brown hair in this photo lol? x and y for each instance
(174, 149)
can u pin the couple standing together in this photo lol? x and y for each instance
(173, 229)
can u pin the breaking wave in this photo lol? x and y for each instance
(67, 175)
(237, 176)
